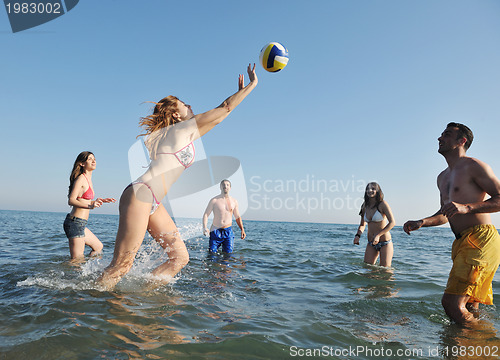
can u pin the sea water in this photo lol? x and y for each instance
(289, 291)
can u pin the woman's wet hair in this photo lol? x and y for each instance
(160, 119)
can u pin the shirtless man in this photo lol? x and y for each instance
(464, 187)
(224, 207)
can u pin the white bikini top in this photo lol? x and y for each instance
(185, 156)
(377, 217)
(185, 129)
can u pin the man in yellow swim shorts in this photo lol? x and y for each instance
(469, 192)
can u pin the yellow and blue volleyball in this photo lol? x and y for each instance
(273, 57)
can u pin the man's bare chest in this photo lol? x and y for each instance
(457, 185)
(224, 205)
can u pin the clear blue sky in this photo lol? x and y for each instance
(369, 87)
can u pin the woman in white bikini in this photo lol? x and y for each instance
(80, 197)
(376, 212)
(169, 135)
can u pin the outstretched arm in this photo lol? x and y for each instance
(206, 121)
(435, 220)
(106, 200)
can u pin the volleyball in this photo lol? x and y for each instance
(273, 57)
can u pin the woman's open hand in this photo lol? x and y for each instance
(251, 75)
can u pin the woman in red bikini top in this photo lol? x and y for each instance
(80, 197)
(169, 134)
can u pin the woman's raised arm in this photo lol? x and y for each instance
(207, 120)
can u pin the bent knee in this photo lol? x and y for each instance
(98, 247)
(456, 308)
(449, 303)
(183, 260)
(180, 259)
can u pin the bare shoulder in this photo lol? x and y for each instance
(214, 199)
(384, 206)
(80, 180)
(78, 186)
(211, 202)
(476, 163)
(443, 174)
(476, 167)
(180, 132)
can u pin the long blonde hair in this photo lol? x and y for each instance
(158, 120)
(77, 168)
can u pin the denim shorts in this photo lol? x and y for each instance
(74, 227)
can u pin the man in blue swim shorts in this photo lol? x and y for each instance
(223, 207)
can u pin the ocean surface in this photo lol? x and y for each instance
(289, 291)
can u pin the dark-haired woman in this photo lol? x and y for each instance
(376, 212)
(169, 135)
(80, 197)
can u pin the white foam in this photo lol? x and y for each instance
(149, 256)
(57, 283)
